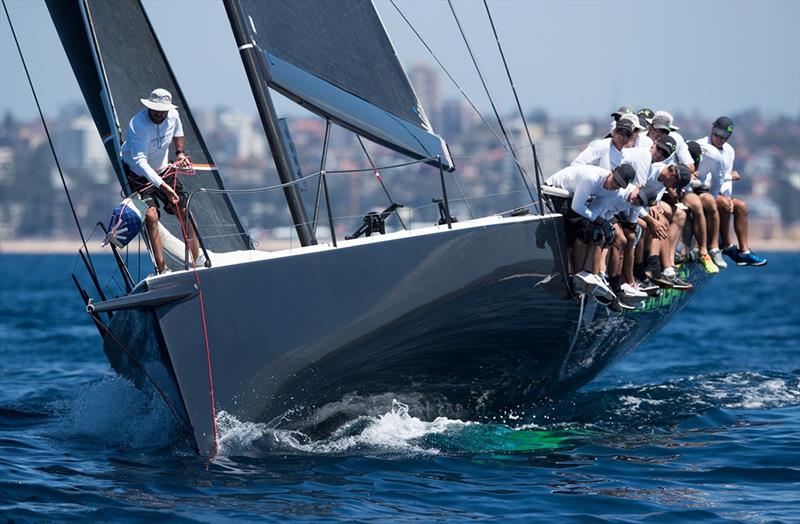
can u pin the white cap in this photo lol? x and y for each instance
(669, 118)
(160, 100)
(634, 119)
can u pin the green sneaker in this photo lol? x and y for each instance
(708, 264)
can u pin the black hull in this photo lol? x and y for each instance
(477, 320)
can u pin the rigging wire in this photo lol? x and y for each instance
(380, 179)
(491, 100)
(463, 197)
(537, 171)
(453, 80)
(49, 138)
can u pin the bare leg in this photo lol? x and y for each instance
(639, 252)
(151, 221)
(580, 254)
(615, 256)
(692, 201)
(687, 234)
(677, 222)
(712, 220)
(740, 223)
(627, 257)
(724, 206)
(600, 255)
(653, 247)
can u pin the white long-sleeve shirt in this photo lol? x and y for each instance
(602, 153)
(146, 146)
(640, 159)
(717, 167)
(589, 198)
(681, 154)
(652, 191)
(643, 140)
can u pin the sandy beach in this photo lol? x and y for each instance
(65, 246)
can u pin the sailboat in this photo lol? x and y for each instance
(477, 315)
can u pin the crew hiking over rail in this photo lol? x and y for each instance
(642, 201)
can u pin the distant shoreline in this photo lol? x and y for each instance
(43, 246)
(39, 246)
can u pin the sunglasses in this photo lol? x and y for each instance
(624, 132)
(718, 135)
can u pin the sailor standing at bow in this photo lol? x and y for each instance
(144, 156)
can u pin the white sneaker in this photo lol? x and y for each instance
(621, 303)
(716, 256)
(581, 281)
(599, 289)
(200, 260)
(632, 292)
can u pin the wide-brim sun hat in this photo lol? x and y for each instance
(160, 100)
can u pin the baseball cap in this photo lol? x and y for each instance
(623, 110)
(624, 174)
(684, 176)
(669, 119)
(695, 151)
(647, 113)
(634, 120)
(667, 144)
(722, 126)
(661, 122)
(625, 124)
(160, 100)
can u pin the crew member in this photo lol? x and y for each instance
(595, 193)
(144, 156)
(721, 187)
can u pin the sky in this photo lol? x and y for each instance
(571, 58)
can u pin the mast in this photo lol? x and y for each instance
(255, 65)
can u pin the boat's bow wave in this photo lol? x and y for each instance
(390, 427)
(115, 413)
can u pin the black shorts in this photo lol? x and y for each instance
(152, 195)
(584, 230)
(572, 220)
(671, 200)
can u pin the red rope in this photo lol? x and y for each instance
(179, 214)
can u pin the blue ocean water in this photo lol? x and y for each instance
(700, 424)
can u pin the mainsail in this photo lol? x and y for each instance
(336, 59)
(117, 60)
